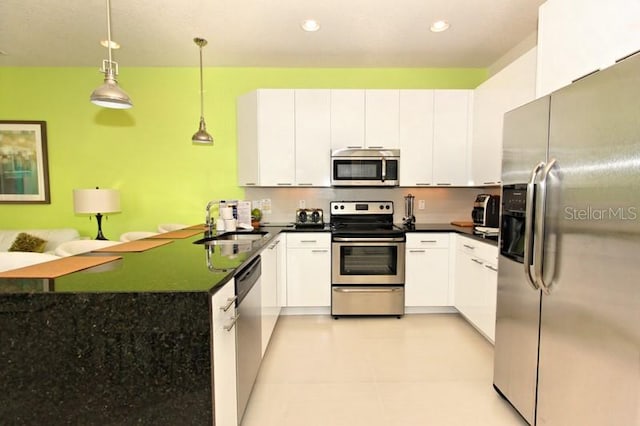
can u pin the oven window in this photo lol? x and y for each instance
(357, 169)
(368, 260)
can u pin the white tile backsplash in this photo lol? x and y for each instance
(442, 205)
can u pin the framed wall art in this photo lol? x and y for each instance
(24, 172)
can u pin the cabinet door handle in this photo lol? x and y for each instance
(479, 262)
(308, 241)
(230, 303)
(428, 241)
(469, 247)
(354, 146)
(319, 251)
(489, 183)
(250, 184)
(234, 319)
(284, 184)
(491, 268)
(376, 147)
(443, 184)
(305, 184)
(423, 184)
(417, 251)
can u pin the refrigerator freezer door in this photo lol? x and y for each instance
(518, 304)
(589, 360)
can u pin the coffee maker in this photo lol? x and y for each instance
(409, 219)
(486, 210)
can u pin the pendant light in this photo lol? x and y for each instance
(201, 136)
(110, 95)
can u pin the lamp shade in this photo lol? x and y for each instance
(110, 95)
(92, 201)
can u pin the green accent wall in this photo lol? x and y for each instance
(146, 152)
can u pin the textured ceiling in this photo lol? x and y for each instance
(354, 33)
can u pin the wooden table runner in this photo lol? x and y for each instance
(133, 246)
(59, 267)
(180, 233)
(199, 227)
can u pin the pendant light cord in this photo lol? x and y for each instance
(201, 86)
(109, 31)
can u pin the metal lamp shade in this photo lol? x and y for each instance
(201, 136)
(110, 95)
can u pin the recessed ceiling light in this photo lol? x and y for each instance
(310, 25)
(114, 44)
(439, 26)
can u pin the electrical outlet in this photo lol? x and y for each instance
(301, 204)
(421, 204)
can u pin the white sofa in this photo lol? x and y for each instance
(53, 237)
(18, 259)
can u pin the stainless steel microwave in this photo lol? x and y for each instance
(365, 167)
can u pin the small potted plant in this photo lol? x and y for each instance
(256, 215)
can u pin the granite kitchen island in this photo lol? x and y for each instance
(128, 342)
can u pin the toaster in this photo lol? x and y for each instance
(309, 218)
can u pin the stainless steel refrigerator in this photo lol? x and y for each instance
(567, 342)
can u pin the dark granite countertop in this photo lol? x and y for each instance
(180, 266)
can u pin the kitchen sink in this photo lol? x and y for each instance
(233, 237)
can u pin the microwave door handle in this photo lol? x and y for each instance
(528, 226)
(384, 169)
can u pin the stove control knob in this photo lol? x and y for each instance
(342, 207)
(387, 207)
(381, 207)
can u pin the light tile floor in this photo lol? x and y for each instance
(422, 370)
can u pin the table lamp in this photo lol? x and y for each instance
(96, 202)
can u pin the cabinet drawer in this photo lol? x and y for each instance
(308, 240)
(477, 249)
(427, 240)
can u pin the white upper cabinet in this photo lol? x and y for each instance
(510, 88)
(578, 37)
(364, 118)
(381, 118)
(312, 137)
(347, 118)
(451, 120)
(416, 137)
(266, 138)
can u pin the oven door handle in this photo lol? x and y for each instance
(367, 289)
(366, 239)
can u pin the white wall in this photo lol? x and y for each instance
(442, 204)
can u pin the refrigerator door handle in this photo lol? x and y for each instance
(528, 226)
(539, 232)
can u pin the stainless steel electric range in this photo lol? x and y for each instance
(367, 259)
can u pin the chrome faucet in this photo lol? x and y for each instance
(208, 222)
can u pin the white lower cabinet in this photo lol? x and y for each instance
(427, 269)
(308, 269)
(224, 355)
(476, 283)
(269, 295)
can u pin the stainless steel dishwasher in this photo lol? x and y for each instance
(249, 331)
